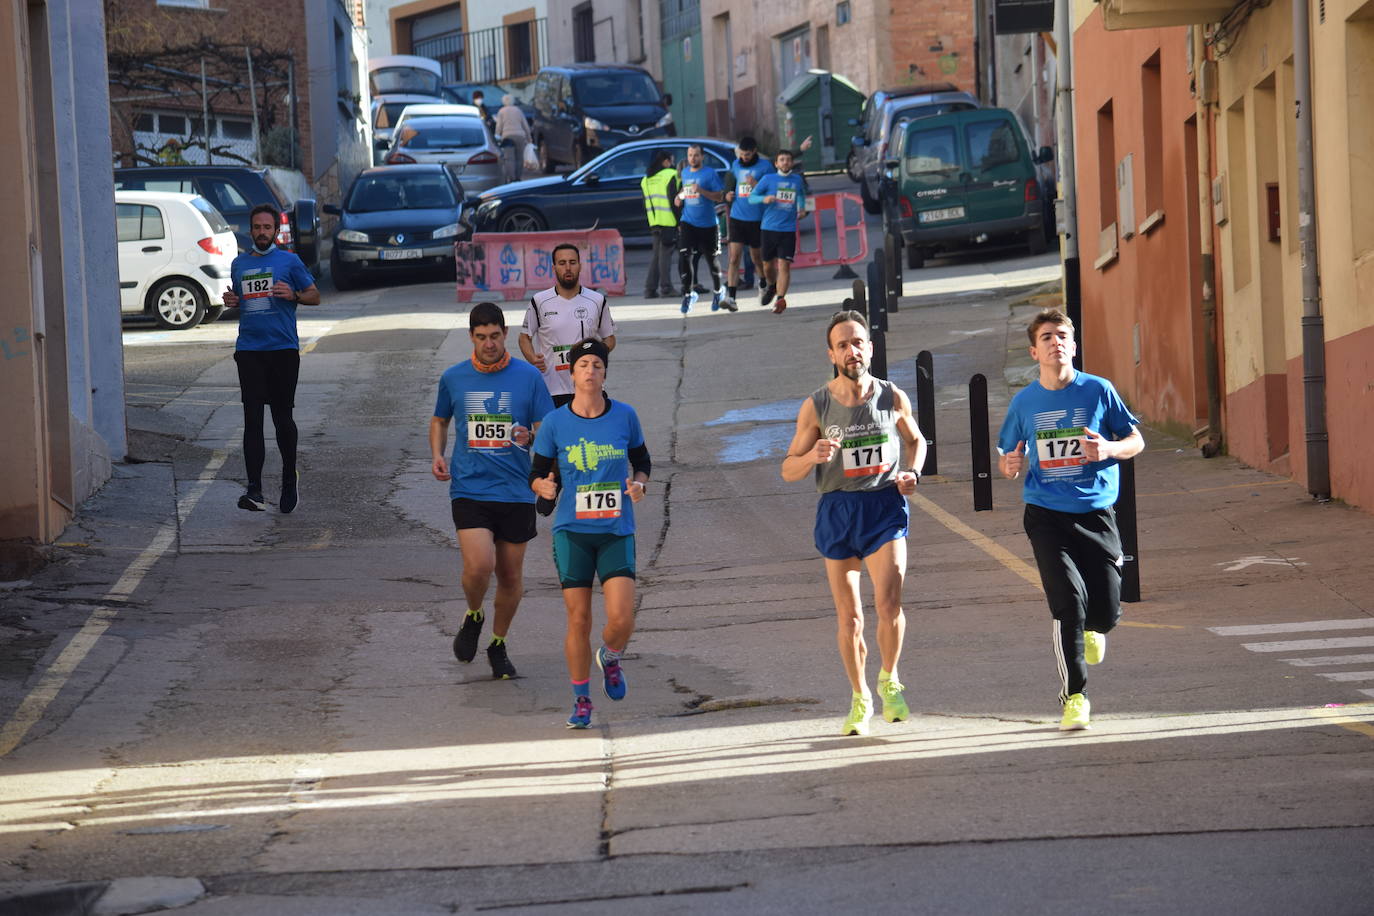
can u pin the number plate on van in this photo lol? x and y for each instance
(931, 216)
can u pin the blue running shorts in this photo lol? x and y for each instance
(856, 524)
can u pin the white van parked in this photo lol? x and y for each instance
(175, 251)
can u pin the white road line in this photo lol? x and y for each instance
(31, 710)
(1358, 623)
(1348, 676)
(1321, 661)
(1298, 645)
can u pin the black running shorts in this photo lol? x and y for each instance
(509, 522)
(779, 245)
(745, 232)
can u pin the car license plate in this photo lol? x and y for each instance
(400, 254)
(932, 216)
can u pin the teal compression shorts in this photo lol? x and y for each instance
(581, 556)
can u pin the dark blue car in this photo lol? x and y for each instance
(395, 220)
(603, 193)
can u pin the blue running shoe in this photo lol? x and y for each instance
(612, 675)
(582, 713)
(715, 300)
(688, 301)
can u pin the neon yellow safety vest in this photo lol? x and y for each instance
(656, 202)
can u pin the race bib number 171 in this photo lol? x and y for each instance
(1060, 448)
(866, 456)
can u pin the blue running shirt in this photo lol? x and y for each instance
(593, 462)
(485, 465)
(781, 214)
(1051, 423)
(746, 176)
(698, 210)
(266, 322)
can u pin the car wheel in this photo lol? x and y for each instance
(545, 163)
(178, 305)
(915, 257)
(871, 205)
(343, 276)
(521, 220)
(851, 166)
(212, 314)
(1036, 242)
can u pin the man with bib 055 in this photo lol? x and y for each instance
(559, 317)
(266, 285)
(1066, 432)
(498, 402)
(595, 447)
(858, 437)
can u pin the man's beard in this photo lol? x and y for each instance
(567, 284)
(854, 371)
(271, 243)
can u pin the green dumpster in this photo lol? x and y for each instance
(818, 104)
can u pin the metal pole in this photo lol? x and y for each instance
(253, 98)
(291, 98)
(205, 114)
(1313, 325)
(1212, 447)
(1068, 188)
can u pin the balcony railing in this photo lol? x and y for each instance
(489, 55)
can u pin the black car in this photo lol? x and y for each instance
(604, 192)
(235, 191)
(581, 110)
(396, 219)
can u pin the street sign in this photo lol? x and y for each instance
(1014, 16)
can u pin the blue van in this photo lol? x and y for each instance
(964, 180)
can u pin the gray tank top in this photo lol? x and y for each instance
(870, 448)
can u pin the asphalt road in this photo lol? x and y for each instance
(261, 714)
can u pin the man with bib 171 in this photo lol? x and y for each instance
(857, 435)
(1078, 428)
(266, 285)
(559, 317)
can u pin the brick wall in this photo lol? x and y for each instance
(931, 43)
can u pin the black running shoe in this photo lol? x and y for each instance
(465, 643)
(501, 668)
(253, 501)
(290, 494)
(767, 295)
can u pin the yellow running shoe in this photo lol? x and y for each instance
(857, 721)
(1094, 647)
(1075, 714)
(894, 704)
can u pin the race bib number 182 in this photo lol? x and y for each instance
(598, 500)
(257, 286)
(1060, 448)
(866, 455)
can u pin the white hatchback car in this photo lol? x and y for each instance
(175, 251)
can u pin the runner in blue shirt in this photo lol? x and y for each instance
(783, 195)
(748, 168)
(499, 402)
(265, 285)
(697, 229)
(1078, 429)
(594, 446)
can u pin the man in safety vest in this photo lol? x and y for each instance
(660, 189)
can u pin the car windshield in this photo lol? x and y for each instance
(212, 216)
(931, 151)
(991, 143)
(442, 133)
(596, 90)
(372, 193)
(405, 79)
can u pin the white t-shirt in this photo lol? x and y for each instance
(554, 324)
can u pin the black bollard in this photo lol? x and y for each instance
(979, 443)
(877, 315)
(892, 260)
(1126, 524)
(925, 408)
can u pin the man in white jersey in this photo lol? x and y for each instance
(561, 316)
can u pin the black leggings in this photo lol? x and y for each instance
(255, 448)
(1079, 556)
(697, 240)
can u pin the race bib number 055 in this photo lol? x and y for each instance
(1060, 448)
(866, 456)
(488, 430)
(598, 500)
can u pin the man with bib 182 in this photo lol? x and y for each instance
(499, 403)
(1067, 431)
(858, 437)
(266, 285)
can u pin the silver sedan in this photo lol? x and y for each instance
(463, 143)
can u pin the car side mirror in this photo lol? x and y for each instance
(1046, 154)
(853, 122)
(331, 209)
(593, 178)
(667, 99)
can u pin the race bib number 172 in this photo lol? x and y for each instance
(1060, 448)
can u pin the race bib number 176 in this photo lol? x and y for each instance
(598, 500)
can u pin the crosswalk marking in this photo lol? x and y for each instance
(1298, 645)
(1321, 661)
(1348, 675)
(1359, 623)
